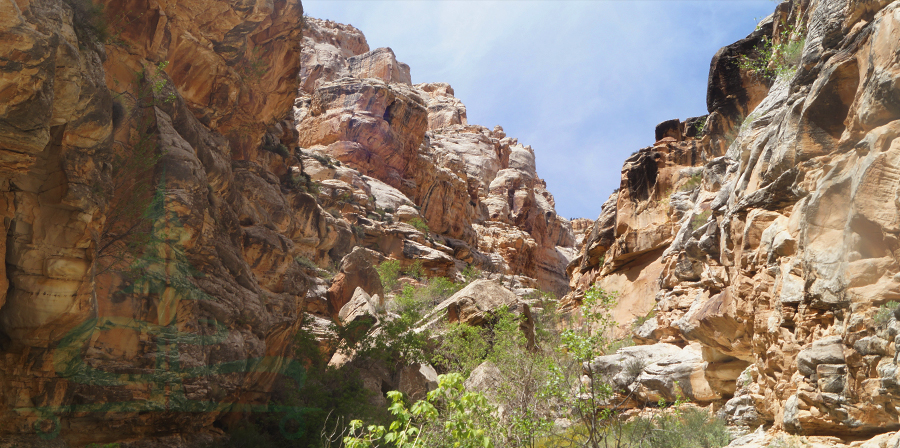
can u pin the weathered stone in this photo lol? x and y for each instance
(357, 271)
(824, 351)
(416, 380)
(359, 314)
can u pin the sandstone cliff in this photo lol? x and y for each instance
(170, 199)
(476, 189)
(768, 241)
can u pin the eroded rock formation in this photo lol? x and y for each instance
(476, 189)
(171, 208)
(771, 237)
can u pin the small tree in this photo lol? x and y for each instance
(449, 416)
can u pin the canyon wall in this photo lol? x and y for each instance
(768, 240)
(179, 177)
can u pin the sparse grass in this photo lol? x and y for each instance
(305, 262)
(773, 60)
(471, 273)
(634, 367)
(692, 183)
(252, 67)
(324, 160)
(687, 428)
(641, 320)
(419, 225)
(700, 219)
(614, 346)
(884, 313)
(786, 441)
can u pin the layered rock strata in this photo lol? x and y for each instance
(476, 189)
(771, 237)
(172, 208)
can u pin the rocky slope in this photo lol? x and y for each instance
(170, 201)
(476, 189)
(768, 242)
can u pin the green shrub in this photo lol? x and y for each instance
(460, 349)
(449, 416)
(416, 270)
(773, 60)
(415, 301)
(389, 272)
(698, 127)
(471, 273)
(641, 320)
(692, 183)
(277, 148)
(884, 313)
(419, 225)
(306, 262)
(699, 220)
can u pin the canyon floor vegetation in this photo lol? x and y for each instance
(500, 385)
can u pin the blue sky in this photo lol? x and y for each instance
(583, 82)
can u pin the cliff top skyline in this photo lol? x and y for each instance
(584, 83)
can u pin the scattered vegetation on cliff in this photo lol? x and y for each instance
(419, 225)
(699, 220)
(776, 57)
(884, 313)
(692, 183)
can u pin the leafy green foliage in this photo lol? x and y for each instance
(414, 301)
(449, 416)
(698, 127)
(461, 348)
(389, 272)
(416, 270)
(419, 225)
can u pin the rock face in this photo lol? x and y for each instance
(172, 208)
(476, 189)
(770, 238)
(150, 281)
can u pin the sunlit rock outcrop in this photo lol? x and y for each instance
(771, 238)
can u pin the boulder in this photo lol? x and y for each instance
(828, 350)
(485, 379)
(416, 380)
(654, 372)
(357, 271)
(360, 313)
(477, 305)
(741, 411)
(623, 367)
